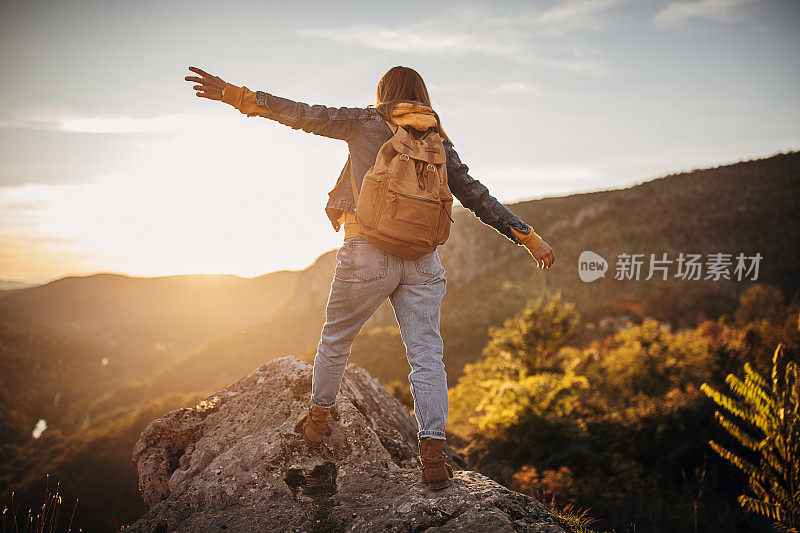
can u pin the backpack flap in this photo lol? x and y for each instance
(419, 150)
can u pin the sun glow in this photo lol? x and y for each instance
(225, 195)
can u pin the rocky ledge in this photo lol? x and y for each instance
(235, 463)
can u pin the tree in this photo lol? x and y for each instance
(760, 302)
(646, 367)
(530, 342)
(526, 370)
(769, 429)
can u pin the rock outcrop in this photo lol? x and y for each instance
(234, 463)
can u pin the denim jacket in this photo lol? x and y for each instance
(365, 132)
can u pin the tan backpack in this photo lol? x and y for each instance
(405, 205)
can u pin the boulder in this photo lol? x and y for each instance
(235, 463)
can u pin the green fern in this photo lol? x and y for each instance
(769, 428)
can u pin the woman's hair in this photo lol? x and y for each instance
(403, 84)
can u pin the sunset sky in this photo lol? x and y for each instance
(109, 162)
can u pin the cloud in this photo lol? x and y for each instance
(417, 37)
(162, 124)
(568, 16)
(714, 10)
(60, 146)
(514, 87)
(527, 35)
(100, 124)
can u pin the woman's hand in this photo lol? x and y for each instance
(210, 86)
(542, 252)
(544, 255)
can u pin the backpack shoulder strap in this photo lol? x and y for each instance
(394, 128)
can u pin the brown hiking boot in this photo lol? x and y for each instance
(435, 470)
(313, 424)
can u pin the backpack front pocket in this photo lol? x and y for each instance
(409, 218)
(370, 198)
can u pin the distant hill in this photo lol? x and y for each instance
(139, 323)
(289, 331)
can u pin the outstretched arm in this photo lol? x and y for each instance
(342, 123)
(475, 196)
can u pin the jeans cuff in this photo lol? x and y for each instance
(431, 434)
(324, 405)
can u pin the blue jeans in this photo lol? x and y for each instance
(365, 276)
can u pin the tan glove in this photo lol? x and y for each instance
(539, 249)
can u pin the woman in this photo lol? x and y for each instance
(366, 275)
